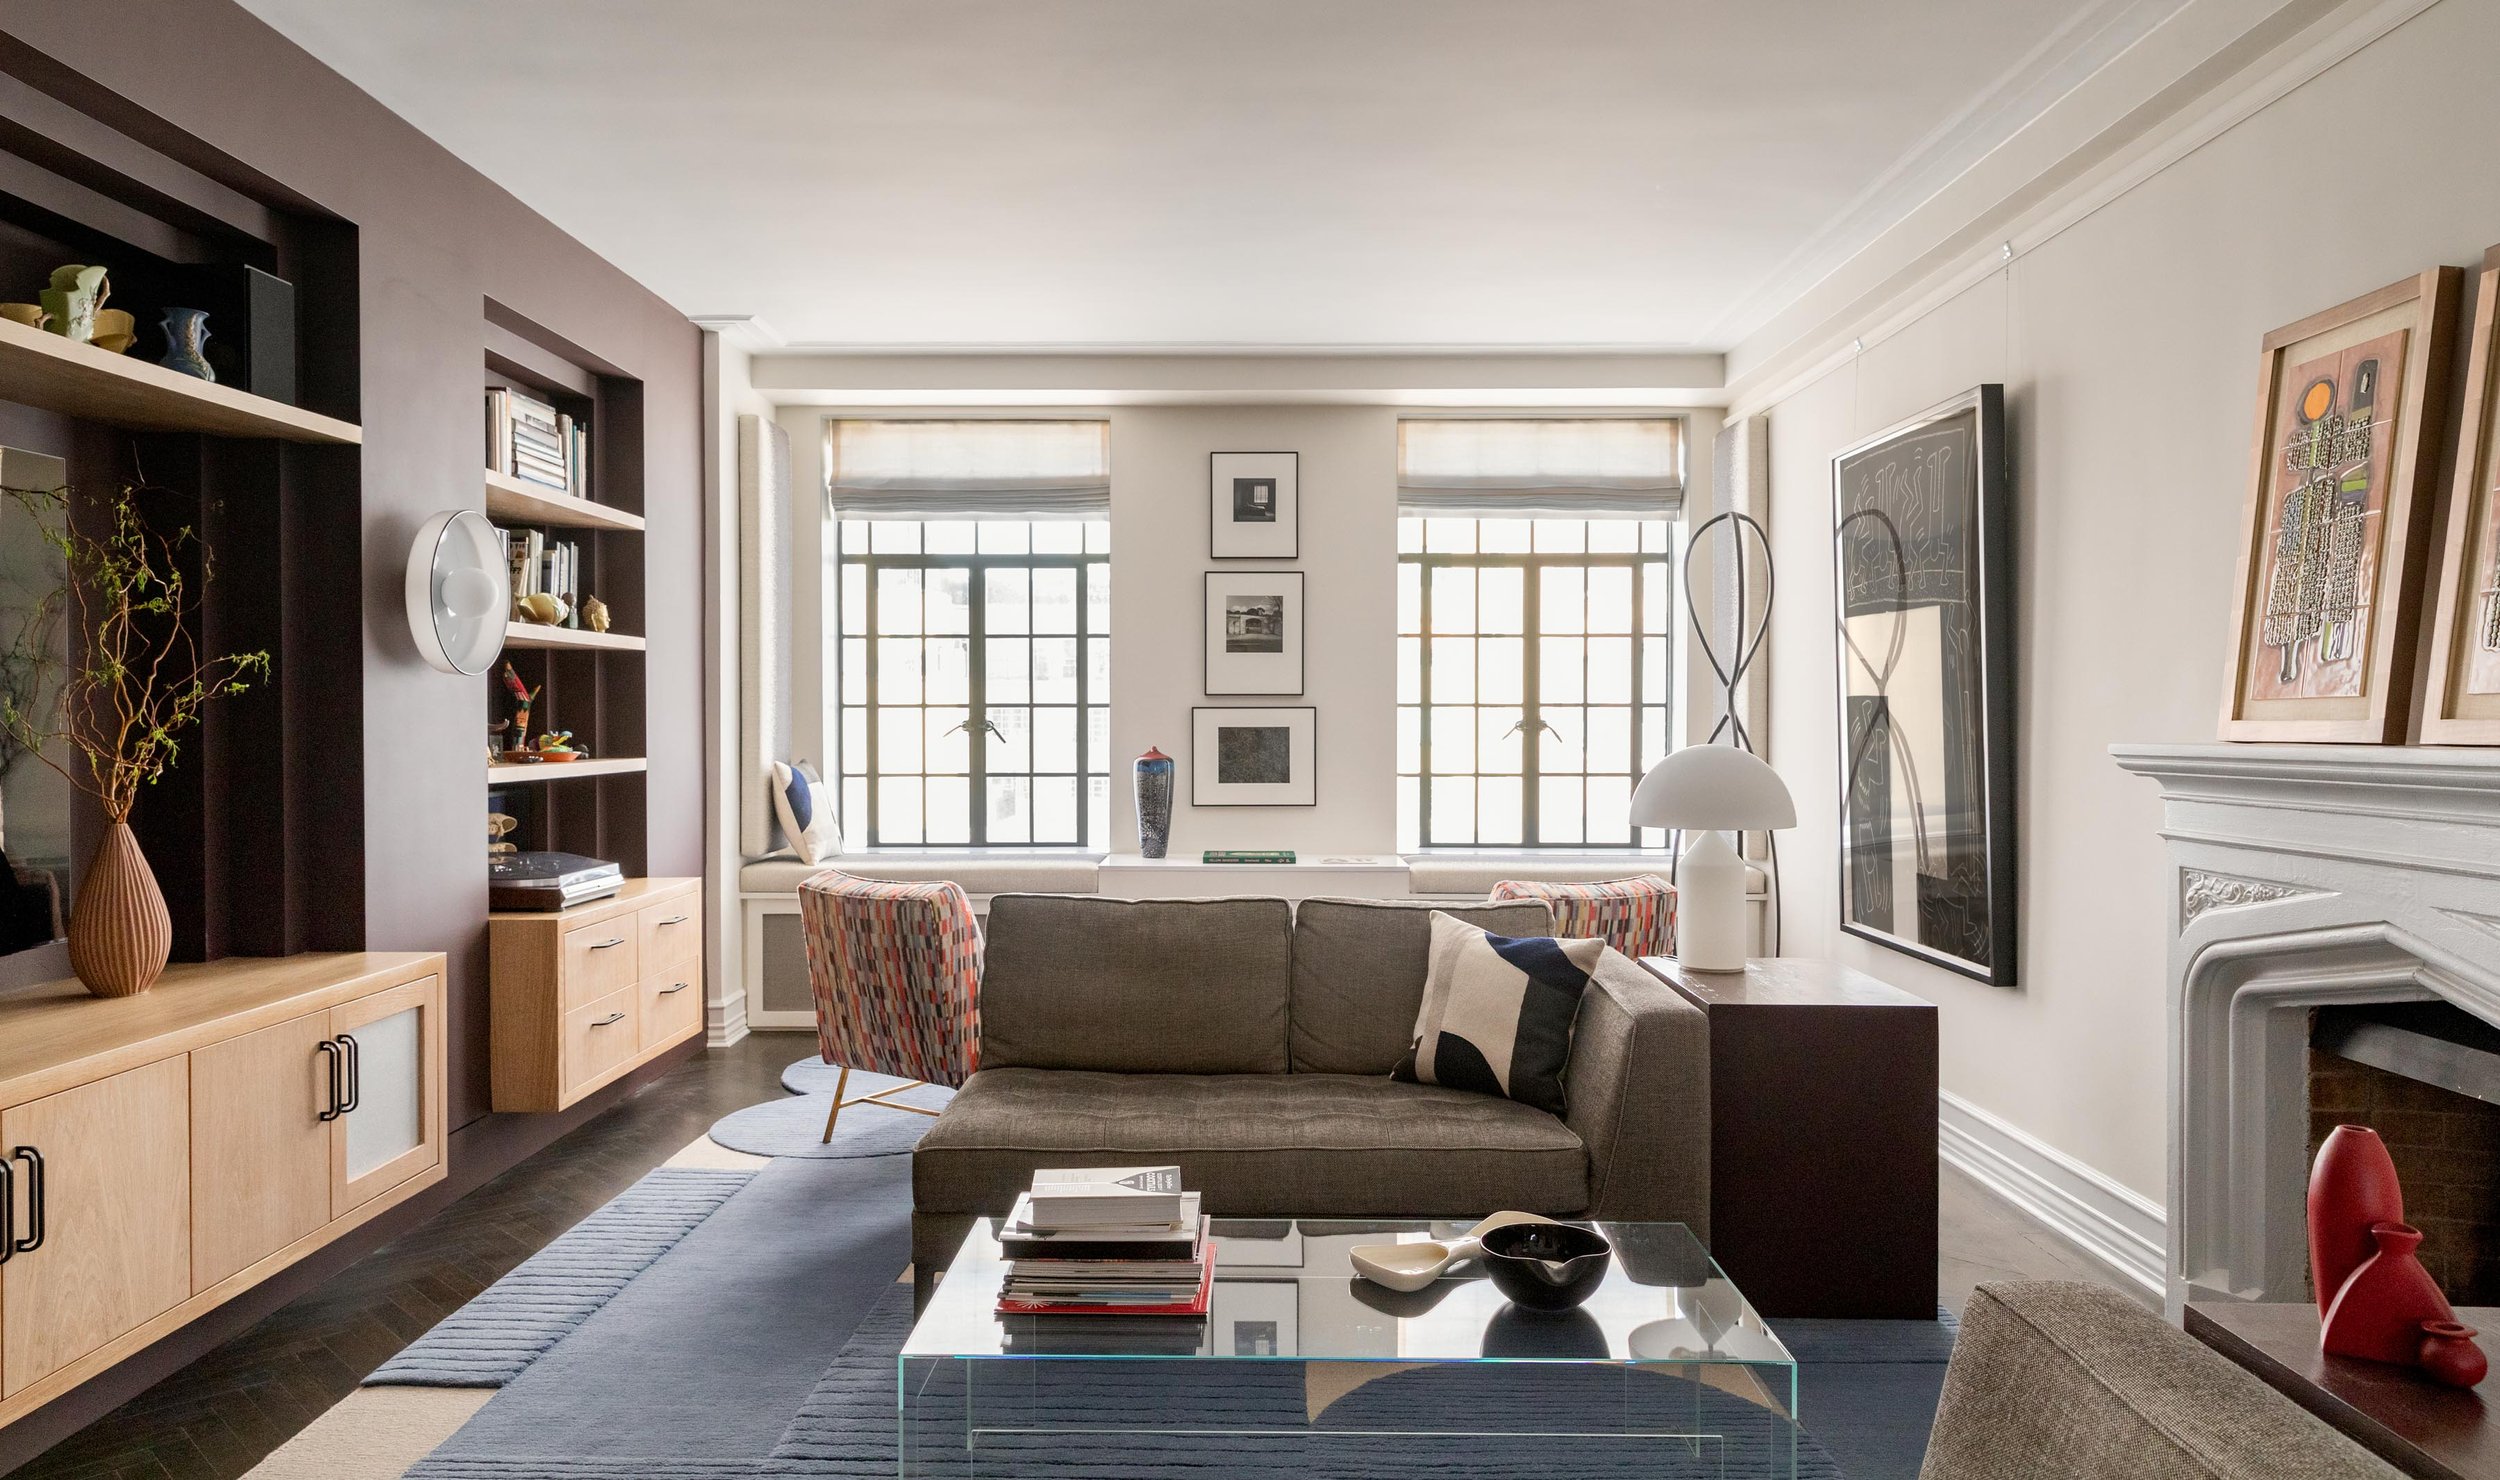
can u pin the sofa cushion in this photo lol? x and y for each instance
(2052, 1380)
(1257, 1145)
(1182, 986)
(1358, 975)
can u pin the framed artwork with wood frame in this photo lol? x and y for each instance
(2336, 539)
(2461, 693)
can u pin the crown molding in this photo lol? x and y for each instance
(2212, 65)
(2086, 43)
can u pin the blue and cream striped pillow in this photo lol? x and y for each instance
(1498, 1013)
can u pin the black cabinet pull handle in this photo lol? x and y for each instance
(667, 991)
(609, 1020)
(333, 1058)
(34, 1199)
(355, 1073)
(605, 944)
(8, 1213)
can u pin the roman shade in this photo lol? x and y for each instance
(961, 469)
(1561, 467)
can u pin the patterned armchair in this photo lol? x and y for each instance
(1636, 915)
(896, 972)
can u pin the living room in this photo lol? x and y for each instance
(1250, 737)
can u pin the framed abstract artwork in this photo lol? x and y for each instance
(1922, 561)
(2461, 693)
(1254, 505)
(2337, 530)
(1254, 757)
(1254, 634)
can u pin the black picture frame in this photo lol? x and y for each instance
(1277, 537)
(1923, 640)
(1291, 639)
(1205, 720)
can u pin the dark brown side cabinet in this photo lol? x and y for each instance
(1822, 1136)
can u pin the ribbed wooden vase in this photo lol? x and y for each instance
(119, 933)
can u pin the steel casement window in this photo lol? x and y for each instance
(1535, 679)
(975, 676)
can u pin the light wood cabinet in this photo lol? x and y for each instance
(173, 1149)
(584, 996)
(104, 1201)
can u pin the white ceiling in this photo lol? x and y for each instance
(1234, 173)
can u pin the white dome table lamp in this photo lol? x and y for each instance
(1709, 791)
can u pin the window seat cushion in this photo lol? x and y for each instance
(979, 876)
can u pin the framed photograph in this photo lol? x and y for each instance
(1254, 505)
(2337, 530)
(1254, 1318)
(1923, 562)
(2461, 698)
(1254, 632)
(1254, 757)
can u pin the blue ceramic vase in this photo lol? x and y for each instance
(1154, 803)
(186, 336)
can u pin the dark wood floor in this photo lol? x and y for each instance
(217, 1418)
(220, 1416)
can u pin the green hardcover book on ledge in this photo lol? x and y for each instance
(1247, 855)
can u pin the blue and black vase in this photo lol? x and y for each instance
(1154, 803)
(186, 340)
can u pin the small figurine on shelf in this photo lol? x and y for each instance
(594, 614)
(499, 826)
(543, 609)
(523, 696)
(558, 746)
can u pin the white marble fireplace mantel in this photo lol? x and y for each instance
(2307, 875)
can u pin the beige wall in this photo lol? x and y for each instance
(2128, 347)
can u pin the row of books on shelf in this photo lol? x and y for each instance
(540, 564)
(529, 439)
(1107, 1241)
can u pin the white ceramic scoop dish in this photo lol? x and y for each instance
(1410, 1267)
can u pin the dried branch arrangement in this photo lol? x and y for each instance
(133, 679)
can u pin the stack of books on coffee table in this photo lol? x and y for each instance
(1107, 1241)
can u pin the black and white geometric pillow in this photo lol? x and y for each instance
(1498, 1013)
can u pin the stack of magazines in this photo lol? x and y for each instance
(1107, 1241)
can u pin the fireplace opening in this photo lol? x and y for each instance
(2426, 1077)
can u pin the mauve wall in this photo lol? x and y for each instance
(436, 240)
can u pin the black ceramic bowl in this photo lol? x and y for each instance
(1546, 1266)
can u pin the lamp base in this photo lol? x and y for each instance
(1710, 904)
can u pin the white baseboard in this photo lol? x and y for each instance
(2118, 1226)
(726, 1021)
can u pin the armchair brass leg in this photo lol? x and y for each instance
(878, 1098)
(839, 1085)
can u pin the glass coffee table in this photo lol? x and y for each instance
(1302, 1367)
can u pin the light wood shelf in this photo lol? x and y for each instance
(503, 773)
(515, 501)
(47, 370)
(537, 635)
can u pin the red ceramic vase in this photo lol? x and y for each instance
(2352, 1185)
(2448, 1354)
(2379, 1313)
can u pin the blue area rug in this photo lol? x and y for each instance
(706, 1355)
(487, 1342)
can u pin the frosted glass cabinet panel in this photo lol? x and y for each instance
(393, 1126)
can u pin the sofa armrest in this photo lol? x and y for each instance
(1638, 1092)
(2052, 1380)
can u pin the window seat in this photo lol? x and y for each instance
(979, 875)
(1472, 876)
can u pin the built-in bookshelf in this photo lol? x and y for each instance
(38, 368)
(572, 480)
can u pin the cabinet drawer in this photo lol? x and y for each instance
(672, 932)
(600, 960)
(601, 1036)
(672, 1005)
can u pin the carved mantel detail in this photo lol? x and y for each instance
(2308, 876)
(2200, 891)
